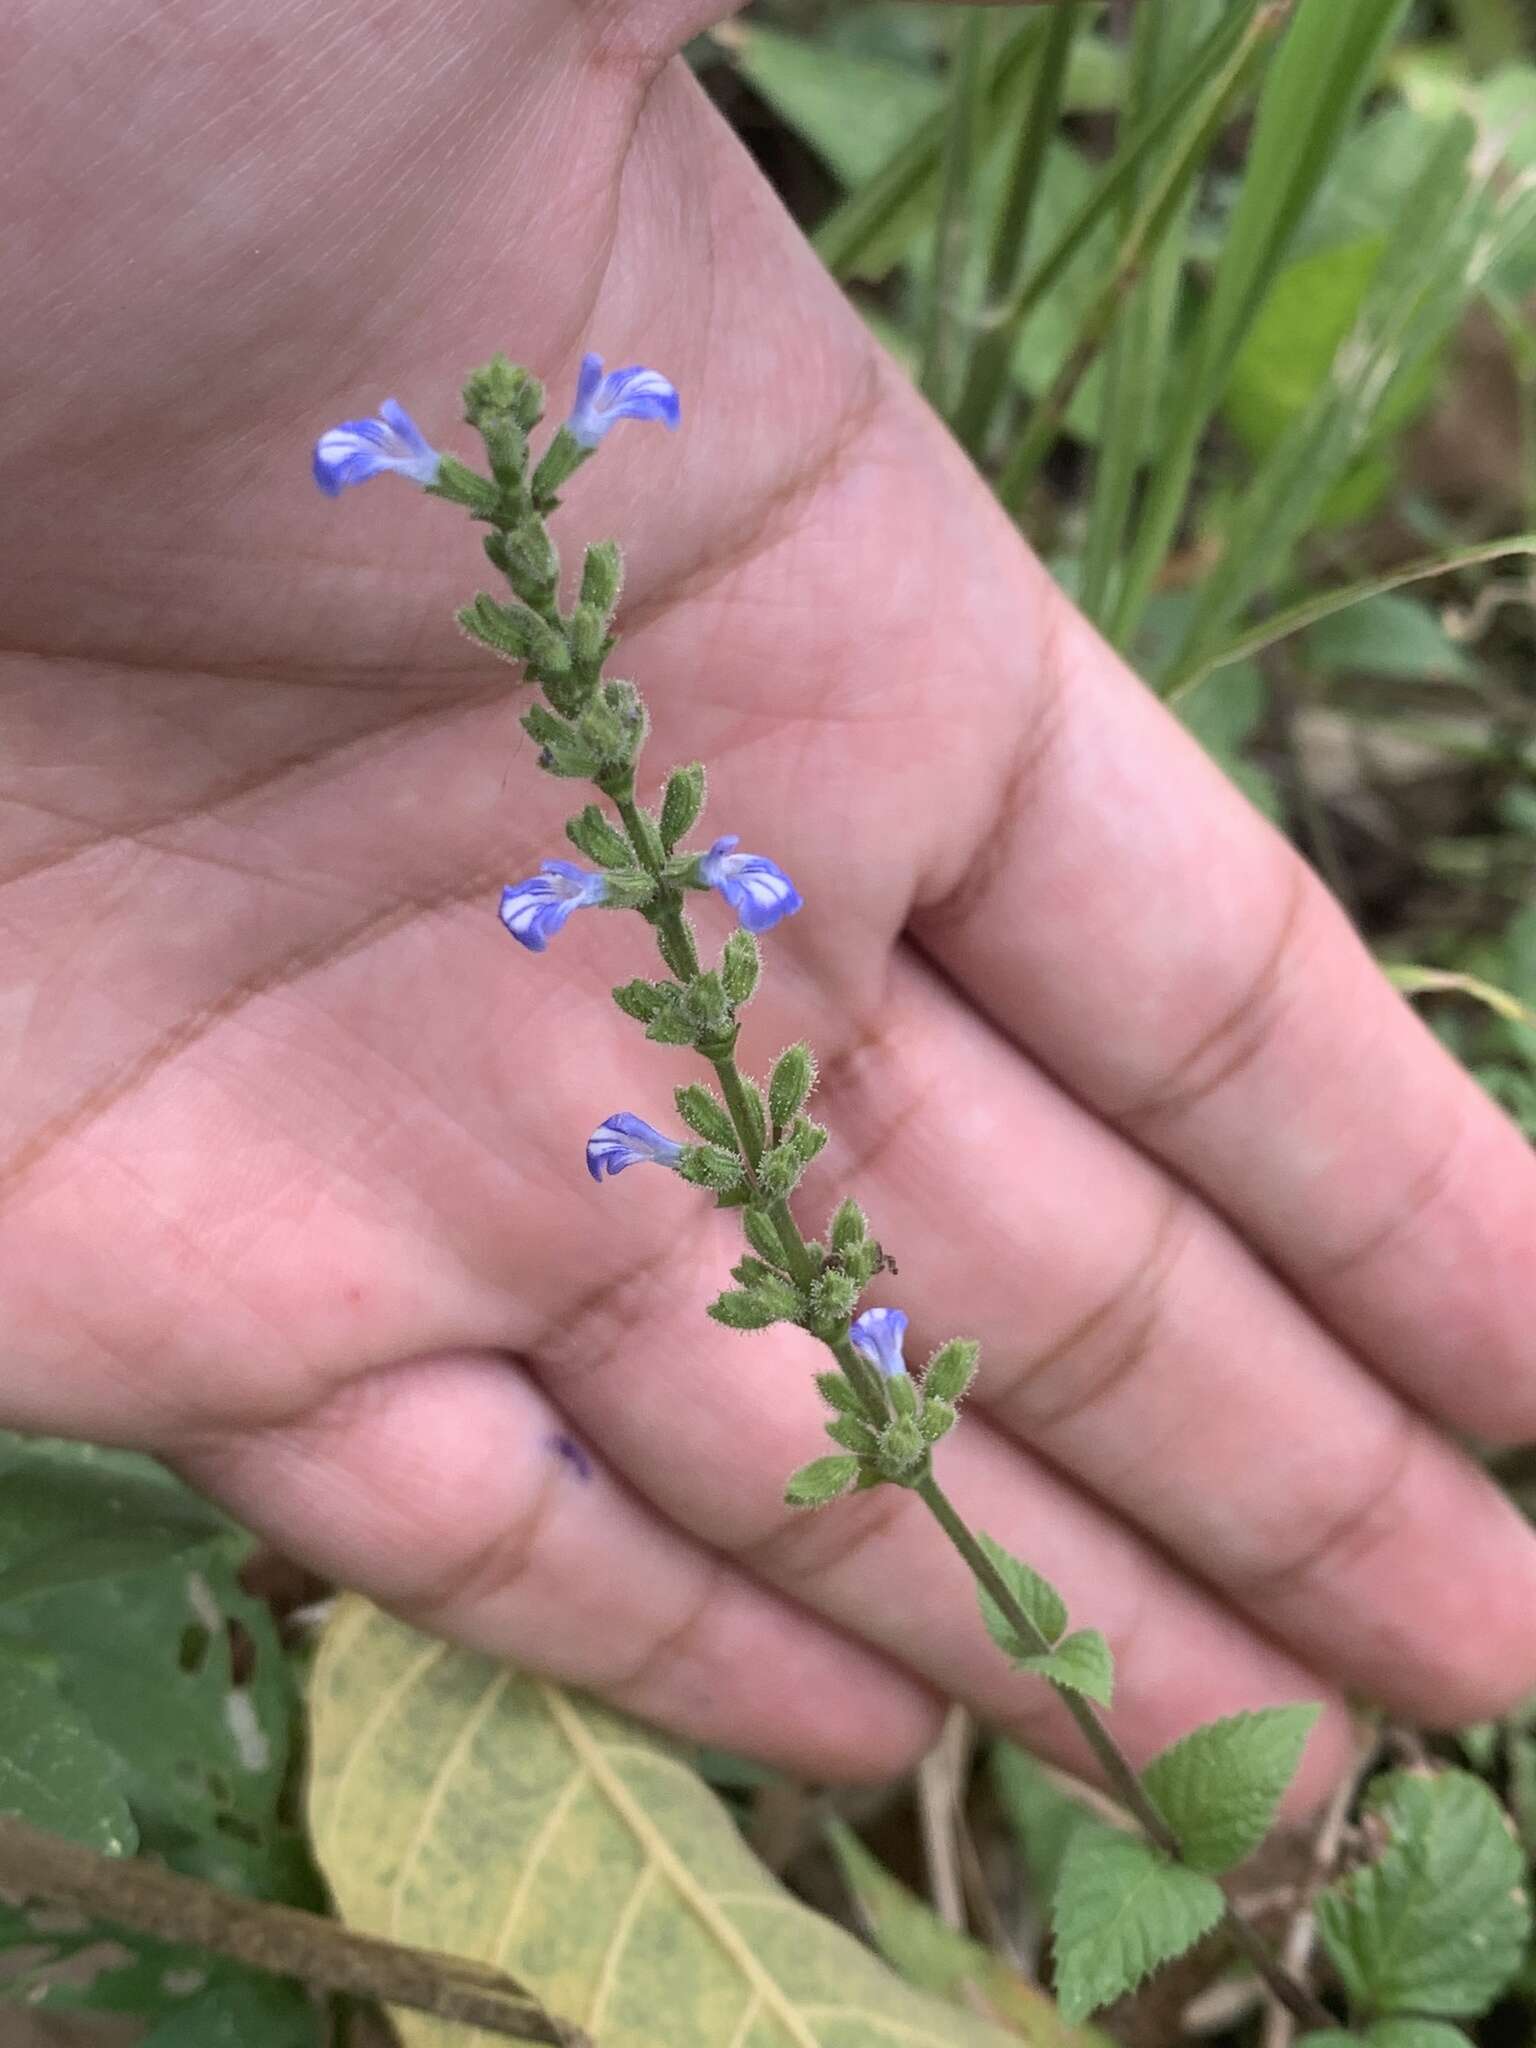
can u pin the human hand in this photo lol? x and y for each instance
(292, 1188)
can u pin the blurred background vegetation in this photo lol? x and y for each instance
(1232, 302)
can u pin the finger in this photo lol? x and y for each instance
(450, 1491)
(724, 1420)
(1131, 921)
(1134, 1342)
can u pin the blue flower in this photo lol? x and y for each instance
(533, 911)
(756, 888)
(634, 393)
(877, 1335)
(359, 449)
(628, 1140)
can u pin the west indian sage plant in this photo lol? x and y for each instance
(1125, 1903)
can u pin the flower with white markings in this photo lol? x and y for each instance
(756, 888)
(533, 911)
(633, 393)
(628, 1140)
(360, 449)
(878, 1335)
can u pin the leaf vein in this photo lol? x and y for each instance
(727, 1936)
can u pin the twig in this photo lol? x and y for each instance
(282, 1940)
(1296, 1949)
(940, 1783)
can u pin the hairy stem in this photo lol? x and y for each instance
(1115, 1764)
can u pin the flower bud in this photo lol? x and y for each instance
(901, 1448)
(763, 1238)
(852, 1434)
(598, 840)
(682, 803)
(951, 1369)
(740, 965)
(820, 1481)
(602, 576)
(937, 1420)
(793, 1078)
(701, 1111)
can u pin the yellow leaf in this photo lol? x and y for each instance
(461, 1806)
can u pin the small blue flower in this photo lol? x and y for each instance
(533, 911)
(628, 1140)
(359, 449)
(877, 1335)
(756, 888)
(634, 393)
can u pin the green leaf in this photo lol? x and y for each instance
(1043, 1818)
(1038, 1598)
(1122, 1908)
(1081, 1662)
(853, 111)
(69, 1515)
(1298, 617)
(54, 1771)
(1290, 348)
(938, 1958)
(457, 1804)
(1414, 2034)
(243, 2010)
(1218, 1787)
(1388, 635)
(1438, 1924)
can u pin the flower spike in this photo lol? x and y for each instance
(878, 1335)
(756, 888)
(634, 393)
(359, 449)
(533, 911)
(628, 1140)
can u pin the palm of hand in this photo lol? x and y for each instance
(293, 1188)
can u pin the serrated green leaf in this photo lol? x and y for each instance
(1038, 1598)
(1041, 1815)
(1218, 1787)
(1438, 1924)
(938, 1958)
(1082, 1662)
(1122, 1908)
(54, 1771)
(461, 1806)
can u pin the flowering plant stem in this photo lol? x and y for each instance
(756, 1144)
(677, 943)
